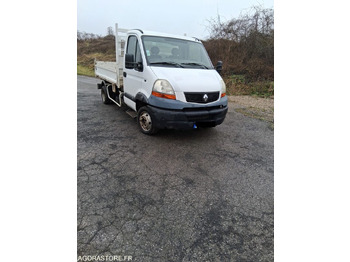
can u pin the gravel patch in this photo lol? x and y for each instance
(250, 101)
(256, 107)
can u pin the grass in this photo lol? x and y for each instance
(239, 85)
(86, 71)
(86, 62)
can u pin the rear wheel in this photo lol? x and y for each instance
(104, 96)
(145, 121)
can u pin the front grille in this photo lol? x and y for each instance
(202, 98)
(199, 109)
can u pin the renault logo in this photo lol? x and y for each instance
(205, 98)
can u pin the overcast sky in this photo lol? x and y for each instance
(175, 17)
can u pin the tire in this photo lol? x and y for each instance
(104, 97)
(145, 122)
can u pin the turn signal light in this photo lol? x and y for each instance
(163, 95)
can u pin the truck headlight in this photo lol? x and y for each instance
(223, 88)
(162, 88)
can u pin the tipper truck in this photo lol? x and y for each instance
(167, 81)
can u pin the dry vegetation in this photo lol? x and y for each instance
(246, 47)
(92, 47)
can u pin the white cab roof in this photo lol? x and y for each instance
(151, 33)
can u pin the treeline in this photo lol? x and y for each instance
(244, 44)
(81, 36)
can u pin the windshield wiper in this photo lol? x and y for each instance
(166, 63)
(195, 64)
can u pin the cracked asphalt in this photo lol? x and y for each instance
(197, 195)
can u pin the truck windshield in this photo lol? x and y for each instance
(174, 52)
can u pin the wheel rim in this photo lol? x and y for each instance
(145, 121)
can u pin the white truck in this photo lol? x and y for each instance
(168, 81)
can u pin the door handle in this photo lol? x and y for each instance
(124, 74)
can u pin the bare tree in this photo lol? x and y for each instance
(81, 36)
(245, 44)
(255, 19)
(110, 31)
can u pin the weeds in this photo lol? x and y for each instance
(239, 85)
(86, 71)
(245, 44)
(89, 49)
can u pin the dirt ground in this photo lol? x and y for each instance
(256, 107)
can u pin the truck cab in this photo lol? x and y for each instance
(170, 82)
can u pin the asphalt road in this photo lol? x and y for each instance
(197, 195)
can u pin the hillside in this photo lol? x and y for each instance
(99, 48)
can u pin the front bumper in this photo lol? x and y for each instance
(188, 117)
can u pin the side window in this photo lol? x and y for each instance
(134, 48)
(138, 53)
(132, 45)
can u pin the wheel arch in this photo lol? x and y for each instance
(140, 100)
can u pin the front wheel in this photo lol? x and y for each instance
(145, 121)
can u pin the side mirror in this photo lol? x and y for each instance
(131, 64)
(129, 61)
(219, 67)
(139, 66)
